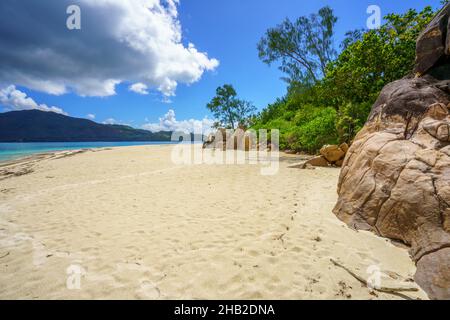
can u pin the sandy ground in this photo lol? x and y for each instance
(128, 223)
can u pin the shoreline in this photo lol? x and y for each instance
(25, 157)
(140, 227)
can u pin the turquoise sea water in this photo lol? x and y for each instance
(11, 151)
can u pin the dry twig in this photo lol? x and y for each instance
(381, 288)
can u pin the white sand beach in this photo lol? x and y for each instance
(138, 226)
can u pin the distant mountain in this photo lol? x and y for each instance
(40, 126)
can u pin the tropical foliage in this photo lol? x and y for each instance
(228, 109)
(329, 97)
(303, 47)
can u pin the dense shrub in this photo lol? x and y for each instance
(308, 130)
(311, 135)
(350, 119)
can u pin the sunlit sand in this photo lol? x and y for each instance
(138, 226)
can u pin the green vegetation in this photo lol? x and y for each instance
(303, 47)
(229, 110)
(329, 98)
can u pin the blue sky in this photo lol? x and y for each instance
(227, 31)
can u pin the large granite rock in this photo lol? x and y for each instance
(433, 45)
(224, 139)
(319, 161)
(395, 179)
(217, 140)
(332, 153)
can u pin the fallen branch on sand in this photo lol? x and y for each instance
(5, 255)
(380, 289)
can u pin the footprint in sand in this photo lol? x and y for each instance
(253, 253)
(148, 291)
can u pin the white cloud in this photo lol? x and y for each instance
(170, 123)
(118, 122)
(135, 41)
(110, 121)
(90, 116)
(139, 88)
(13, 100)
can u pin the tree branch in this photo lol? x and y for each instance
(380, 289)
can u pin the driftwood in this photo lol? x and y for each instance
(381, 288)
